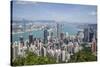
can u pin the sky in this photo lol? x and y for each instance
(30, 10)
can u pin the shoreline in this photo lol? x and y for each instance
(25, 31)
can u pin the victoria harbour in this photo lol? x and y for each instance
(69, 28)
(52, 33)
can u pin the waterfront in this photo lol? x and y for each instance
(51, 33)
(69, 28)
(62, 48)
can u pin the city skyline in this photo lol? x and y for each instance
(53, 11)
(51, 33)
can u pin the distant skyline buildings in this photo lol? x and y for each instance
(50, 33)
(30, 10)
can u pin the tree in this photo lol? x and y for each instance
(33, 59)
(84, 55)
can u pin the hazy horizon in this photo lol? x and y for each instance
(30, 10)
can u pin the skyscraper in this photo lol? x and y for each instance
(50, 35)
(45, 36)
(89, 32)
(86, 35)
(30, 39)
(15, 50)
(21, 42)
(93, 45)
(91, 36)
(58, 31)
(61, 36)
(21, 39)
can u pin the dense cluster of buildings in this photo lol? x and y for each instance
(61, 46)
(90, 36)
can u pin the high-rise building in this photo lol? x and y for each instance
(70, 48)
(89, 32)
(67, 34)
(45, 36)
(63, 55)
(58, 30)
(21, 39)
(61, 36)
(93, 45)
(86, 35)
(27, 44)
(66, 41)
(80, 36)
(30, 39)
(15, 50)
(21, 42)
(91, 36)
(50, 35)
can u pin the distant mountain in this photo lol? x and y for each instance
(40, 21)
(51, 21)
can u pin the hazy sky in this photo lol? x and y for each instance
(51, 11)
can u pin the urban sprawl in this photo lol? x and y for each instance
(61, 47)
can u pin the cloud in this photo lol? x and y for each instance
(93, 13)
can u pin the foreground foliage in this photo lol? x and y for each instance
(84, 55)
(33, 59)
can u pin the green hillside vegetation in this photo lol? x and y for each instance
(84, 55)
(33, 59)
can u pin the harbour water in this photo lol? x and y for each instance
(70, 28)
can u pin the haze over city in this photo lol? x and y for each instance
(52, 11)
(52, 33)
